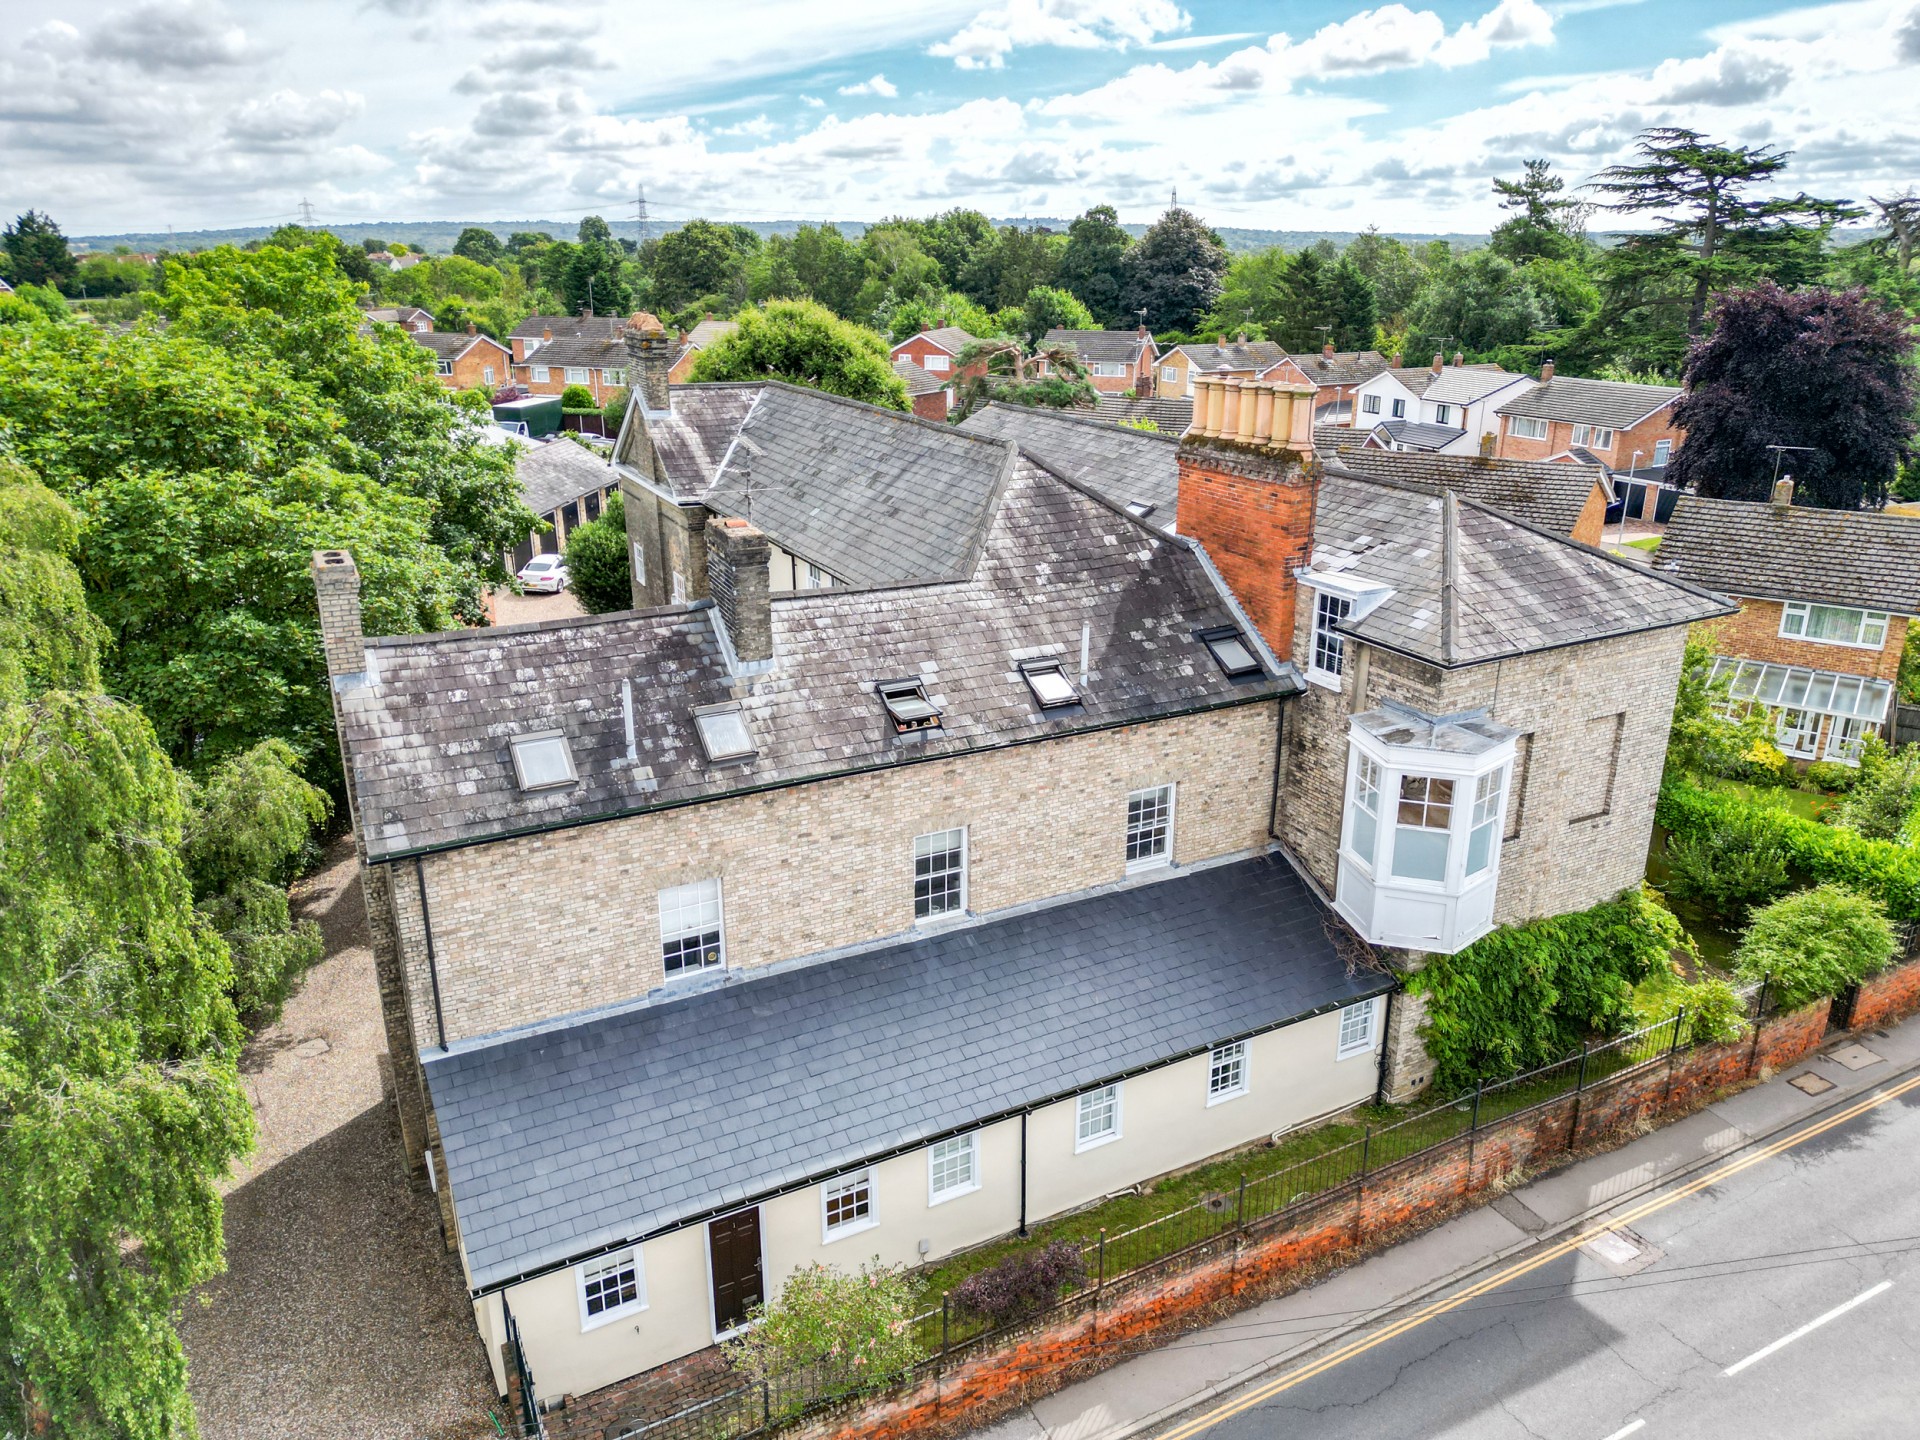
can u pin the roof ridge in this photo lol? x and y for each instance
(1049, 412)
(529, 627)
(1629, 566)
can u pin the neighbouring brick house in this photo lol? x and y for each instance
(464, 361)
(1619, 425)
(1242, 359)
(598, 362)
(1336, 376)
(408, 317)
(1442, 409)
(1117, 360)
(937, 350)
(1825, 596)
(929, 395)
(900, 913)
(693, 341)
(566, 485)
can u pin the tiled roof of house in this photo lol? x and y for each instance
(534, 326)
(1343, 367)
(1611, 403)
(1174, 417)
(1830, 557)
(1464, 384)
(1234, 355)
(1540, 492)
(1472, 584)
(562, 1143)
(397, 314)
(590, 351)
(1418, 434)
(1101, 345)
(447, 344)
(1126, 466)
(1419, 378)
(428, 737)
(919, 382)
(710, 330)
(556, 472)
(950, 338)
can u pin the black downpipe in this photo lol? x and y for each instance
(1023, 1174)
(1279, 759)
(433, 969)
(1386, 1039)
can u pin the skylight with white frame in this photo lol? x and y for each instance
(1232, 653)
(723, 732)
(908, 706)
(1049, 683)
(542, 761)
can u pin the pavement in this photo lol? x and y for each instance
(1605, 1300)
(341, 1314)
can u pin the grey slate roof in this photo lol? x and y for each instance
(1121, 345)
(591, 351)
(448, 345)
(1124, 465)
(1464, 384)
(693, 437)
(534, 326)
(1242, 355)
(1471, 584)
(556, 472)
(1418, 434)
(1343, 367)
(1174, 417)
(565, 1143)
(428, 738)
(950, 338)
(1418, 378)
(919, 382)
(1830, 557)
(1612, 403)
(1546, 493)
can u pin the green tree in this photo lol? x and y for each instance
(520, 241)
(1052, 376)
(953, 238)
(596, 231)
(480, 245)
(599, 571)
(594, 281)
(1001, 274)
(851, 1330)
(1815, 943)
(104, 276)
(896, 271)
(49, 639)
(1544, 226)
(1477, 303)
(805, 343)
(1050, 309)
(1174, 273)
(1396, 274)
(36, 252)
(1091, 263)
(700, 258)
(577, 397)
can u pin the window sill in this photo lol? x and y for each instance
(1225, 1096)
(1354, 1052)
(827, 1237)
(1080, 1147)
(1327, 679)
(608, 1317)
(947, 921)
(1836, 644)
(1152, 862)
(945, 1196)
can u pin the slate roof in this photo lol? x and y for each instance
(1418, 378)
(398, 314)
(1830, 557)
(1174, 417)
(1540, 492)
(1471, 584)
(590, 351)
(447, 344)
(1329, 437)
(692, 438)
(1611, 403)
(1463, 384)
(556, 472)
(1126, 466)
(710, 330)
(1418, 434)
(919, 382)
(565, 1143)
(428, 737)
(1244, 355)
(534, 326)
(1343, 367)
(950, 338)
(1092, 345)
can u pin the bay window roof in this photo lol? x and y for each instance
(1794, 687)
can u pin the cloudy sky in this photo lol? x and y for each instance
(1305, 114)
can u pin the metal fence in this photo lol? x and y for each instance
(1192, 1234)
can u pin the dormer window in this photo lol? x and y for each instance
(908, 706)
(723, 732)
(1232, 653)
(1049, 683)
(542, 761)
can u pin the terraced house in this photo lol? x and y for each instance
(888, 915)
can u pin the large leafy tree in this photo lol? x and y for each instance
(593, 280)
(953, 238)
(1000, 275)
(36, 252)
(1174, 273)
(1090, 262)
(480, 245)
(805, 343)
(1828, 369)
(700, 258)
(1478, 304)
(1544, 224)
(1050, 309)
(1050, 376)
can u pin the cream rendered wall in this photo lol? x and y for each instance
(1293, 1076)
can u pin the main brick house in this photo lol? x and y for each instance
(1826, 598)
(1625, 427)
(888, 915)
(1117, 361)
(462, 361)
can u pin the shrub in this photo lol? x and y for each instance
(1885, 794)
(1815, 943)
(855, 1328)
(615, 410)
(269, 951)
(1528, 994)
(1730, 865)
(1023, 1284)
(600, 574)
(478, 399)
(1715, 1011)
(577, 397)
(1831, 776)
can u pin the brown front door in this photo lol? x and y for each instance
(733, 1243)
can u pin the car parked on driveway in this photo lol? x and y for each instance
(544, 575)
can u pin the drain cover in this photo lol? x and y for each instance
(1811, 1083)
(309, 1048)
(1854, 1057)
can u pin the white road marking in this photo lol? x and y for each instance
(1808, 1328)
(1626, 1430)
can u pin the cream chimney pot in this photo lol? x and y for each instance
(1230, 408)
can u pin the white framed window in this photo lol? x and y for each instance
(1357, 1026)
(936, 363)
(953, 1168)
(1399, 409)
(1422, 828)
(1370, 404)
(846, 1206)
(692, 931)
(1231, 653)
(1048, 681)
(639, 563)
(610, 1287)
(1096, 1117)
(1443, 414)
(1169, 374)
(1594, 437)
(1662, 451)
(542, 760)
(1227, 1072)
(1489, 808)
(1150, 828)
(1799, 732)
(615, 376)
(939, 874)
(443, 367)
(1844, 739)
(577, 375)
(1834, 625)
(1363, 814)
(1527, 427)
(1110, 369)
(486, 373)
(541, 375)
(1329, 647)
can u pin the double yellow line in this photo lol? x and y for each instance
(1309, 1371)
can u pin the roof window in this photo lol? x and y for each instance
(1140, 509)
(542, 761)
(1232, 653)
(1049, 683)
(908, 706)
(723, 731)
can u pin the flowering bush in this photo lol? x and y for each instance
(1024, 1283)
(852, 1329)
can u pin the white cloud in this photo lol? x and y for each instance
(1729, 76)
(812, 102)
(992, 35)
(287, 117)
(171, 35)
(878, 85)
(758, 128)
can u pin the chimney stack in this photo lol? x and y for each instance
(472, 329)
(1487, 442)
(1327, 350)
(1395, 362)
(546, 334)
(738, 577)
(336, 587)
(1439, 362)
(651, 355)
(1783, 495)
(1546, 371)
(1458, 359)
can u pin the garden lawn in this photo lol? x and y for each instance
(1648, 543)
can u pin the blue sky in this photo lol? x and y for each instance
(1302, 114)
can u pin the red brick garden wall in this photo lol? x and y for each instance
(1893, 995)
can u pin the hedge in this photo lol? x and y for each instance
(1885, 869)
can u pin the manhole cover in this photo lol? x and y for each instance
(1811, 1083)
(309, 1048)
(1217, 1203)
(1613, 1247)
(1854, 1057)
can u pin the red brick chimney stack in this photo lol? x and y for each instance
(1459, 359)
(1328, 350)
(1439, 362)
(1546, 371)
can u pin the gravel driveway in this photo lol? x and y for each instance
(341, 1313)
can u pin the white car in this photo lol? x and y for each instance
(544, 574)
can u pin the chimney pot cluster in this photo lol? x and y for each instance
(1263, 414)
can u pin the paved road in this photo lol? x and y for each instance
(1798, 1274)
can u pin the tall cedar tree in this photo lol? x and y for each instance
(1174, 273)
(37, 252)
(1827, 368)
(1544, 226)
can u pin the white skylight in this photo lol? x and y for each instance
(1049, 684)
(542, 761)
(1230, 649)
(723, 732)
